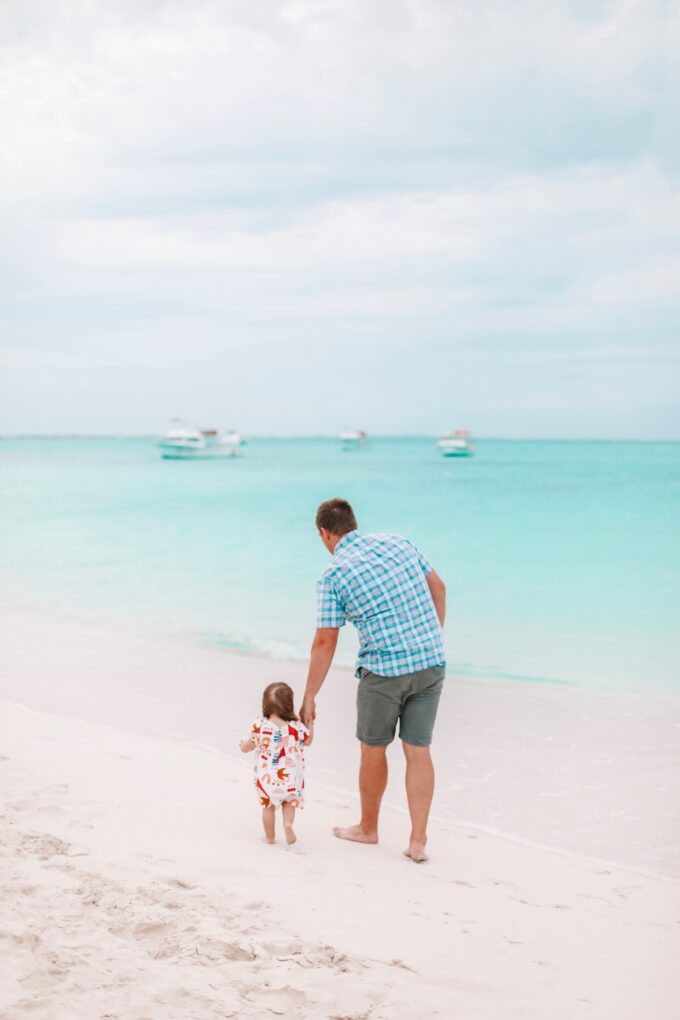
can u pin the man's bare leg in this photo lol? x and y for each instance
(288, 813)
(372, 783)
(419, 792)
(268, 817)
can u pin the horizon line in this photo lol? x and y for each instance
(335, 437)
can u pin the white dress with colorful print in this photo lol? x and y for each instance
(279, 762)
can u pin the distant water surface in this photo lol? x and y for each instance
(562, 559)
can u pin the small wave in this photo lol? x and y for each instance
(269, 648)
(473, 672)
(291, 652)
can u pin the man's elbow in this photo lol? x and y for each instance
(326, 638)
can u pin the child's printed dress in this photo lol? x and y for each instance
(279, 762)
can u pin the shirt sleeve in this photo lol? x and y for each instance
(330, 611)
(256, 732)
(423, 561)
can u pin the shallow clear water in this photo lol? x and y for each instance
(562, 559)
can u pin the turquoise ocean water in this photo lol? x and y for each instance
(562, 559)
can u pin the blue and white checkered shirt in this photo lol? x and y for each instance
(378, 582)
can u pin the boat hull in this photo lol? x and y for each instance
(453, 449)
(207, 453)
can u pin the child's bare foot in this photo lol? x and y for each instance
(355, 834)
(268, 839)
(290, 834)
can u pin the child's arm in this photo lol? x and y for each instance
(250, 742)
(310, 736)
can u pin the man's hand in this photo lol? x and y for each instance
(308, 712)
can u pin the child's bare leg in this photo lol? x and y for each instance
(268, 816)
(288, 812)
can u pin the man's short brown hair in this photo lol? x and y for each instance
(336, 516)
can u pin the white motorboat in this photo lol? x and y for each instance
(456, 444)
(182, 442)
(353, 439)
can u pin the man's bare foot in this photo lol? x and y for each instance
(355, 834)
(290, 834)
(416, 853)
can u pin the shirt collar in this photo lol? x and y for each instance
(346, 540)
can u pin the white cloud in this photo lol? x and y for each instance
(492, 182)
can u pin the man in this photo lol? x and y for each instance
(397, 602)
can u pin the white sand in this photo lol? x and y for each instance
(135, 886)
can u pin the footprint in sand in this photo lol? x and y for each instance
(402, 966)
(44, 847)
(180, 883)
(77, 850)
(148, 929)
(279, 949)
(219, 949)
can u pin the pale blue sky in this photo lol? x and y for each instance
(291, 217)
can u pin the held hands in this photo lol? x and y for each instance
(308, 712)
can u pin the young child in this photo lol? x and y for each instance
(278, 737)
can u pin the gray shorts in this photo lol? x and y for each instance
(412, 699)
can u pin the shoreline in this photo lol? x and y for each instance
(296, 654)
(276, 651)
(587, 774)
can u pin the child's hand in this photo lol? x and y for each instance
(246, 745)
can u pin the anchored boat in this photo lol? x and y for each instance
(456, 444)
(353, 439)
(182, 442)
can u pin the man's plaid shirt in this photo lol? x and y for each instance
(378, 582)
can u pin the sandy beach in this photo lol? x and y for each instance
(137, 885)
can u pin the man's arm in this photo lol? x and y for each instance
(438, 593)
(323, 650)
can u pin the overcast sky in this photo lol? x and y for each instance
(290, 217)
